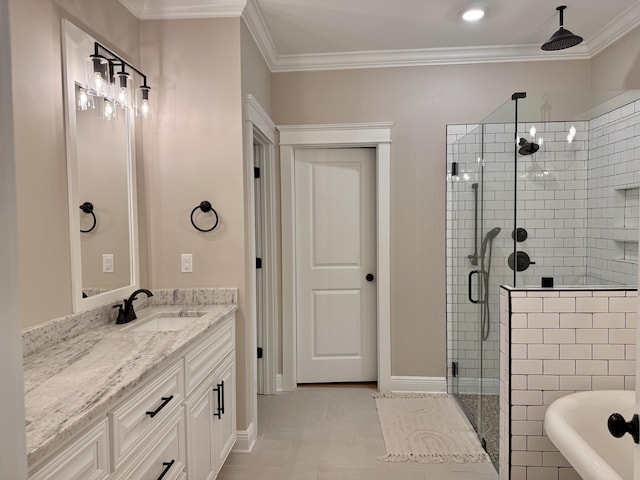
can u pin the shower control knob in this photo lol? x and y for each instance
(618, 426)
(369, 277)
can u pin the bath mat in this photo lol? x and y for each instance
(426, 428)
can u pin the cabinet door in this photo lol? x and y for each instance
(201, 458)
(224, 424)
(85, 459)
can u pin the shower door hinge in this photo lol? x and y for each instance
(256, 172)
(454, 369)
(259, 352)
(258, 263)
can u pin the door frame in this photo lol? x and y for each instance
(258, 128)
(292, 137)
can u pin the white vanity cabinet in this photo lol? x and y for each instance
(210, 406)
(179, 425)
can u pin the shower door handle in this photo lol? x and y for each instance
(471, 273)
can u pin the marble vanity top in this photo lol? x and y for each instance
(71, 383)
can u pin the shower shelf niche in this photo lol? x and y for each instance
(626, 223)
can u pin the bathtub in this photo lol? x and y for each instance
(577, 426)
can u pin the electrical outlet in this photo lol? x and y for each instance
(107, 263)
(187, 262)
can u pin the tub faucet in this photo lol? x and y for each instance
(126, 312)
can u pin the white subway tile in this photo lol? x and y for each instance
(550, 396)
(575, 352)
(536, 412)
(609, 320)
(544, 352)
(607, 383)
(622, 336)
(559, 305)
(526, 427)
(608, 352)
(576, 320)
(526, 305)
(559, 336)
(592, 367)
(626, 304)
(531, 367)
(543, 320)
(526, 335)
(543, 382)
(575, 382)
(592, 305)
(542, 473)
(526, 397)
(622, 367)
(554, 459)
(559, 367)
(595, 335)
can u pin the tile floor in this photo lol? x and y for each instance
(330, 433)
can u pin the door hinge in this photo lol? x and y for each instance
(259, 352)
(454, 369)
(256, 172)
(258, 263)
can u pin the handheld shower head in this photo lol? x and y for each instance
(491, 234)
(527, 148)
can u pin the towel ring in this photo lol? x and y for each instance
(87, 207)
(205, 206)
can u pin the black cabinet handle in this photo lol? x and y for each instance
(218, 413)
(165, 400)
(618, 426)
(222, 397)
(167, 466)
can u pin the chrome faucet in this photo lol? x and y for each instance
(125, 311)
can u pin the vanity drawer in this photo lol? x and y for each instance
(86, 458)
(145, 411)
(164, 452)
(201, 361)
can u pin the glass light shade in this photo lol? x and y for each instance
(108, 109)
(144, 102)
(123, 89)
(98, 81)
(84, 101)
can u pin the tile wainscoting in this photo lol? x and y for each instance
(555, 342)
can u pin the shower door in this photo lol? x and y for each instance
(480, 221)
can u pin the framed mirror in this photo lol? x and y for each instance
(100, 139)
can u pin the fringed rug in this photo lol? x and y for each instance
(426, 428)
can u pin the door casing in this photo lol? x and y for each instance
(378, 136)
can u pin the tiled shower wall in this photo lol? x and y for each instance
(556, 342)
(578, 200)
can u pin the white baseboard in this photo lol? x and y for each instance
(245, 440)
(279, 382)
(418, 384)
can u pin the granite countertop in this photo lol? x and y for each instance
(70, 384)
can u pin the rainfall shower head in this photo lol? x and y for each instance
(527, 148)
(563, 38)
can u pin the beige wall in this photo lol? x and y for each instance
(193, 152)
(618, 66)
(41, 172)
(421, 101)
(256, 76)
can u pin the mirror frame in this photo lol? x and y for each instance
(73, 62)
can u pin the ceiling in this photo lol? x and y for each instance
(331, 34)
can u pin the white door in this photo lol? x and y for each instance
(335, 252)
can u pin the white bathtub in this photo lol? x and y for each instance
(577, 426)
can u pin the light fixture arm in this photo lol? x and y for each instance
(118, 59)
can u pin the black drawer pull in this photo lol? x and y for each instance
(222, 395)
(165, 400)
(219, 391)
(167, 466)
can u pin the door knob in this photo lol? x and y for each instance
(618, 426)
(369, 277)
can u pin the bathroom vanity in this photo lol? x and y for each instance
(151, 399)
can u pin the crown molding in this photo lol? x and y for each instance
(615, 30)
(420, 57)
(162, 10)
(254, 21)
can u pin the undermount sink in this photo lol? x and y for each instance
(165, 322)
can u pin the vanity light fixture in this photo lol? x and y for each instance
(111, 77)
(84, 101)
(472, 14)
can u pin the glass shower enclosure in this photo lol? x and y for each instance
(544, 191)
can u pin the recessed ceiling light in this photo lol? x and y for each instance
(472, 14)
